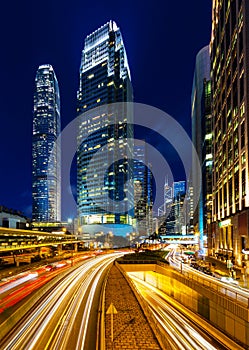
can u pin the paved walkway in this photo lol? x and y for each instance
(130, 327)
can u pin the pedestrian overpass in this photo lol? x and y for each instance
(16, 239)
(180, 239)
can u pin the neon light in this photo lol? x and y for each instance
(225, 223)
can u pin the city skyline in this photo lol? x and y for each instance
(61, 47)
(136, 163)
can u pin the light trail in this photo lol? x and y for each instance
(12, 284)
(50, 324)
(184, 333)
(233, 291)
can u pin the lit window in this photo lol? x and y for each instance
(208, 137)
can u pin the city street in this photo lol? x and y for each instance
(66, 317)
(184, 328)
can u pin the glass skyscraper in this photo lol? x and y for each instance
(202, 137)
(105, 139)
(46, 152)
(142, 188)
(179, 188)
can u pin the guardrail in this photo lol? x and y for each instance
(100, 341)
(234, 293)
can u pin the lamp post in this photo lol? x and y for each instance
(69, 221)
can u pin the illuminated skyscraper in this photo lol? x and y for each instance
(179, 188)
(142, 189)
(201, 136)
(46, 153)
(103, 136)
(230, 109)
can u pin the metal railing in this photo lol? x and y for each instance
(235, 293)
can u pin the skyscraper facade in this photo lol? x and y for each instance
(199, 117)
(179, 188)
(230, 109)
(104, 137)
(46, 152)
(142, 189)
(207, 160)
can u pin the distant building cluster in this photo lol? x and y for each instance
(175, 216)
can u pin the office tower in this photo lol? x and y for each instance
(142, 189)
(46, 152)
(230, 103)
(178, 205)
(179, 215)
(179, 188)
(104, 79)
(189, 209)
(198, 115)
(168, 198)
(207, 161)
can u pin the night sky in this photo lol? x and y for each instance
(161, 38)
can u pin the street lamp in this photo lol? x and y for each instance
(70, 222)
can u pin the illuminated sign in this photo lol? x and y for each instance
(225, 223)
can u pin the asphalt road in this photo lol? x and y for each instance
(66, 317)
(183, 329)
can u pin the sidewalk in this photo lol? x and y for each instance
(130, 327)
(222, 266)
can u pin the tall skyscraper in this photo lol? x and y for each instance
(179, 188)
(207, 160)
(46, 153)
(230, 109)
(199, 119)
(104, 79)
(165, 208)
(142, 189)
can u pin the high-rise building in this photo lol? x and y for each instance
(199, 129)
(103, 135)
(142, 189)
(179, 188)
(189, 208)
(230, 110)
(165, 208)
(207, 161)
(46, 152)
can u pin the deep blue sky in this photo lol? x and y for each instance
(161, 37)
